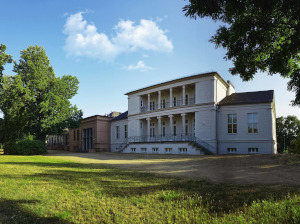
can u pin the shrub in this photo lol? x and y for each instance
(25, 147)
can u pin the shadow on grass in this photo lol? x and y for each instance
(12, 211)
(114, 182)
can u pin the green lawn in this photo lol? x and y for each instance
(38, 189)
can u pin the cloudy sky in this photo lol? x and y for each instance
(117, 46)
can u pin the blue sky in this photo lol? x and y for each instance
(114, 47)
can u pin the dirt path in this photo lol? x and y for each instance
(240, 169)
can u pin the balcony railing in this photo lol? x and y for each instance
(165, 105)
(201, 144)
(161, 138)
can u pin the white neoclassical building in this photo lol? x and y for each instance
(199, 114)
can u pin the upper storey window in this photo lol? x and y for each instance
(175, 102)
(163, 104)
(186, 99)
(252, 123)
(232, 123)
(152, 105)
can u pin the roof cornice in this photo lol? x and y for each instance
(202, 75)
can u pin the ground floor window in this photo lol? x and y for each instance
(87, 139)
(253, 150)
(231, 150)
(182, 150)
(144, 149)
(133, 149)
(154, 149)
(168, 150)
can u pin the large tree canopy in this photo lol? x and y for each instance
(4, 58)
(287, 129)
(35, 101)
(259, 35)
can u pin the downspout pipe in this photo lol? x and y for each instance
(217, 144)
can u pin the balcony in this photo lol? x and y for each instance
(165, 105)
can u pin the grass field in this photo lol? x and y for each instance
(38, 189)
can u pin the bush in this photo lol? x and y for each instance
(25, 147)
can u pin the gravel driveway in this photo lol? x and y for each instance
(240, 169)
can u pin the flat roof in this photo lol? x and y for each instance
(201, 75)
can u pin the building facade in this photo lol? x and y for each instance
(93, 135)
(196, 115)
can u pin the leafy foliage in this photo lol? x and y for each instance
(286, 129)
(4, 58)
(35, 101)
(296, 144)
(27, 146)
(259, 35)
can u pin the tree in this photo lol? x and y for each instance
(286, 129)
(296, 144)
(259, 35)
(35, 101)
(4, 58)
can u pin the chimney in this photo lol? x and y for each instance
(230, 89)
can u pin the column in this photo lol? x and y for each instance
(148, 102)
(183, 126)
(171, 97)
(171, 125)
(159, 100)
(148, 129)
(159, 128)
(183, 95)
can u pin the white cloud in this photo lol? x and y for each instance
(83, 39)
(139, 66)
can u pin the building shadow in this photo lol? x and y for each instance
(12, 211)
(117, 183)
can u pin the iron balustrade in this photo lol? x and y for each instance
(190, 101)
(144, 108)
(165, 105)
(199, 143)
(175, 103)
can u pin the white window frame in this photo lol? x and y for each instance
(186, 99)
(117, 132)
(232, 123)
(252, 150)
(231, 150)
(168, 150)
(155, 150)
(252, 124)
(174, 128)
(125, 131)
(163, 129)
(182, 150)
